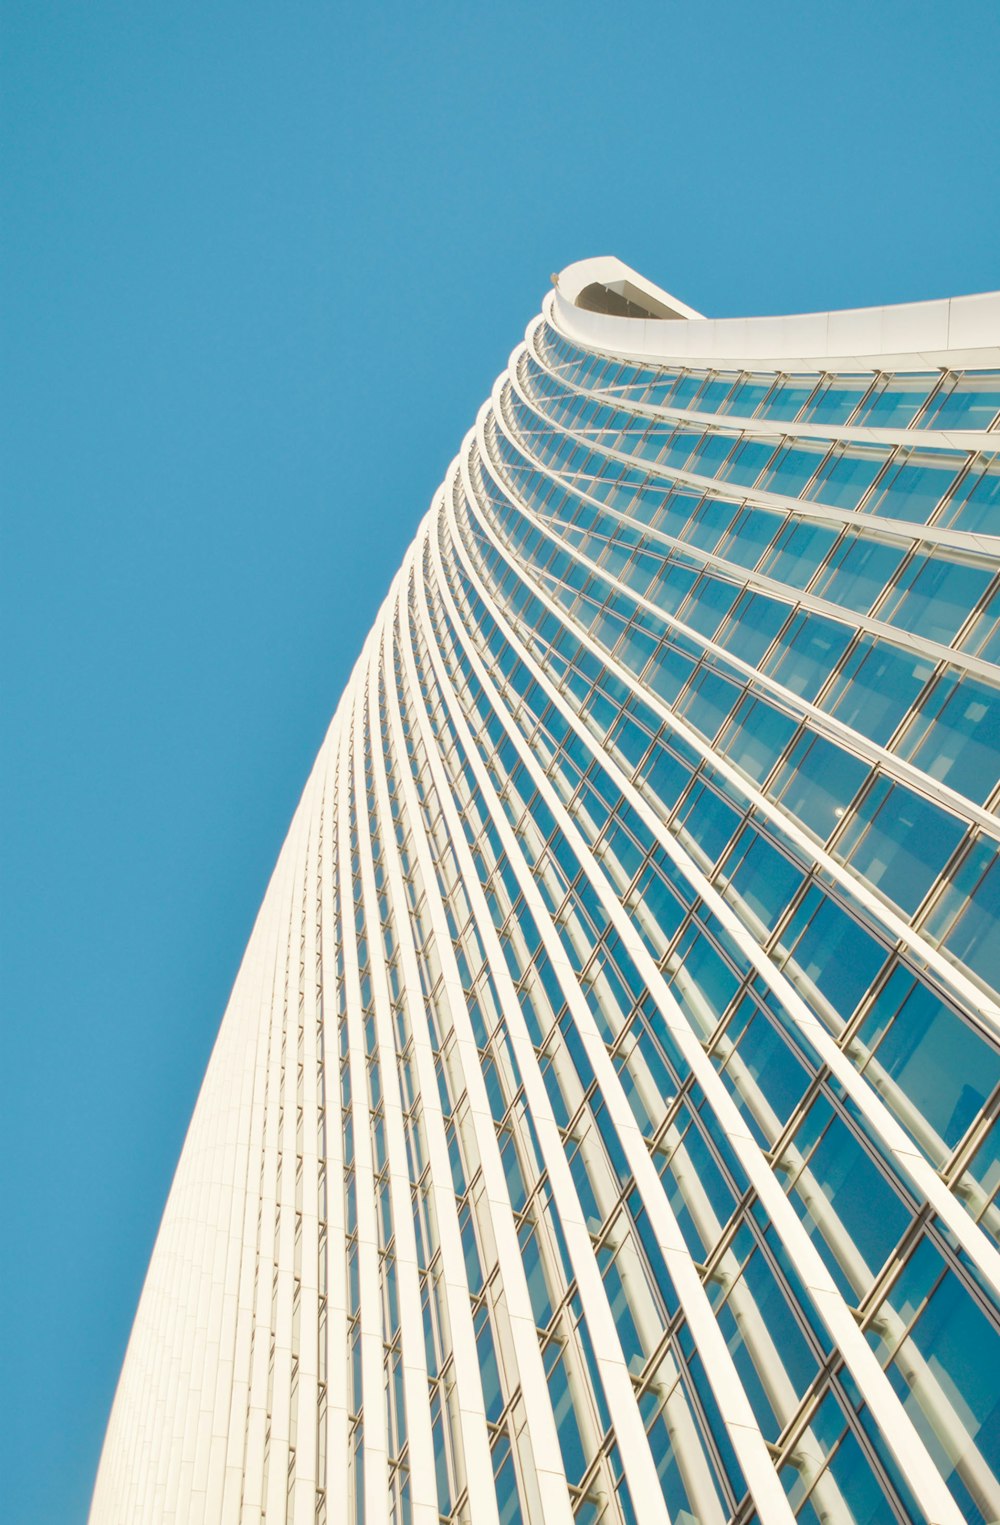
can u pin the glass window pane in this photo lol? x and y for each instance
(896, 400)
(756, 736)
(956, 735)
(934, 1070)
(967, 917)
(807, 652)
(836, 399)
(858, 571)
(818, 782)
(936, 596)
(798, 551)
(914, 484)
(876, 687)
(792, 467)
(830, 954)
(899, 842)
(852, 1214)
(747, 462)
(971, 401)
(847, 474)
(945, 1370)
(975, 504)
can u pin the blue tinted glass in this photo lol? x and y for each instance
(807, 652)
(709, 820)
(621, 1311)
(876, 687)
(971, 401)
(508, 1503)
(944, 1069)
(756, 737)
(956, 736)
(705, 984)
(763, 878)
(846, 476)
(798, 551)
(936, 596)
(713, 394)
(675, 1463)
(751, 534)
(818, 781)
(748, 396)
(958, 1346)
(537, 1281)
(748, 461)
(709, 523)
(859, 1492)
(896, 401)
(900, 842)
(792, 467)
(683, 389)
(695, 1186)
(858, 571)
(786, 400)
(708, 701)
(851, 1211)
(766, 1077)
(832, 953)
(914, 484)
(984, 1171)
(709, 604)
(835, 400)
(975, 505)
(758, 1299)
(970, 910)
(755, 622)
(489, 1371)
(570, 1442)
(709, 456)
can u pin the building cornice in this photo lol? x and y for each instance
(959, 331)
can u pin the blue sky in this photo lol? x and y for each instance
(260, 266)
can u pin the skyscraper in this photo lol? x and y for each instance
(603, 1123)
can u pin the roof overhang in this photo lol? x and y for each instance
(955, 331)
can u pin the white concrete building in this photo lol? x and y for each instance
(603, 1123)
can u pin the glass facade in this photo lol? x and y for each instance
(604, 1123)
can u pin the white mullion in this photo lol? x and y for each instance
(418, 1425)
(245, 1462)
(376, 1478)
(302, 1509)
(253, 1501)
(337, 1421)
(734, 1407)
(468, 1380)
(794, 704)
(935, 651)
(887, 1409)
(965, 441)
(626, 1423)
(234, 1424)
(237, 1049)
(892, 1133)
(197, 1374)
(898, 927)
(257, 1007)
(547, 1457)
(284, 1253)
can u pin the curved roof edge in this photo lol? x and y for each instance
(962, 331)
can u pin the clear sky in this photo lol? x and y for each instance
(261, 263)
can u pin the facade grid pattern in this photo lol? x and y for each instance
(603, 1125)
